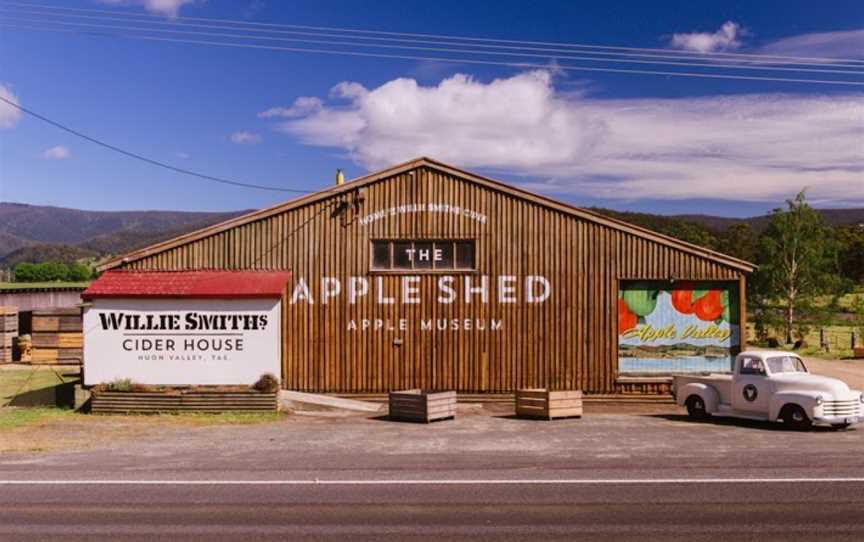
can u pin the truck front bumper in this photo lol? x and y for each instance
(837, 420)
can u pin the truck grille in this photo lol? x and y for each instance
(842, 408)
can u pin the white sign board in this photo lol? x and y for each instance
(181, 341)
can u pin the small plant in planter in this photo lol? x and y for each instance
(268, 383)
(121, 384)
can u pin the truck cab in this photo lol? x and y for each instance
(774, 386)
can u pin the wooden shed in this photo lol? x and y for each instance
(427, 276)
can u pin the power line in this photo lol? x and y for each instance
(563, 67)
(184, 33)
(144, 158)
(442, 36)
(476, 47)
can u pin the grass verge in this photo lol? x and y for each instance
(14, 418)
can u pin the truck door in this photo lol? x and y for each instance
(750, 389)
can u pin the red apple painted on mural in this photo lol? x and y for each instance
(709, 307)
(627, 319)
(682, 298)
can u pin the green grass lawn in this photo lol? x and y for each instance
(55, 284)
(839, 338)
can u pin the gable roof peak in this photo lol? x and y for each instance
(425, 161)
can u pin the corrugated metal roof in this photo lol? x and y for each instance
(197, 284)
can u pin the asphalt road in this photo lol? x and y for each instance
(673, 511)
(643, 476)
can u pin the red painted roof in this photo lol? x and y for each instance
(198, 284)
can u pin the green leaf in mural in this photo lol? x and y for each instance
(698, 293)
(641, 302)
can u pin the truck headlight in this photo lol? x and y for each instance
(819, 399)
(861, 397)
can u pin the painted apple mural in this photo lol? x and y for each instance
(680, 327)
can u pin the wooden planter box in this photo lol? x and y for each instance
(125, 402)
(422, 406)
(545, 404)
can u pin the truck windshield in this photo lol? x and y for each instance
(786, 364)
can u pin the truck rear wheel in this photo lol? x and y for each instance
(696, 407)
(795, 418)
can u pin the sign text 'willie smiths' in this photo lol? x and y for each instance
(190, 321)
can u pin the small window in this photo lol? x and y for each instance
(444, 255)
(752, 366)
(465, 254)
(380, 254)
(423, 255)
(401, 255)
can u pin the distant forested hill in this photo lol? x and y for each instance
(37, 233)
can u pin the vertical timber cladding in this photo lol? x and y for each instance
(567, 341)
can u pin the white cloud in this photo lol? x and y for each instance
(168, 8)
(302, 106)
(245, 138)
(183, 155)
(57, 153)
(756, 146)
(726, 38)
(845, 44)
(9, 116)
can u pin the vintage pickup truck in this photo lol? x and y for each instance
(773, 386)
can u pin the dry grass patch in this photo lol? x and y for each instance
(55, 429)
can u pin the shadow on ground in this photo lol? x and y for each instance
(61, 395)
(739, 422)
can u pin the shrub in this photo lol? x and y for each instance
(51, 271)
(79, 272)
(121, 384)
(267, 383)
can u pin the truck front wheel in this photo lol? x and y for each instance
(696, 408)
(795, 418)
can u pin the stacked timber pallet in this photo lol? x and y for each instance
(8, 332)
(57, 337)
(126, 402)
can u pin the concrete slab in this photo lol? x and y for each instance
(287, 398)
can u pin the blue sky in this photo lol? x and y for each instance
(632, 142)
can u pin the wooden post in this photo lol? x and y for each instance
(854, 344)
(823, 341)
